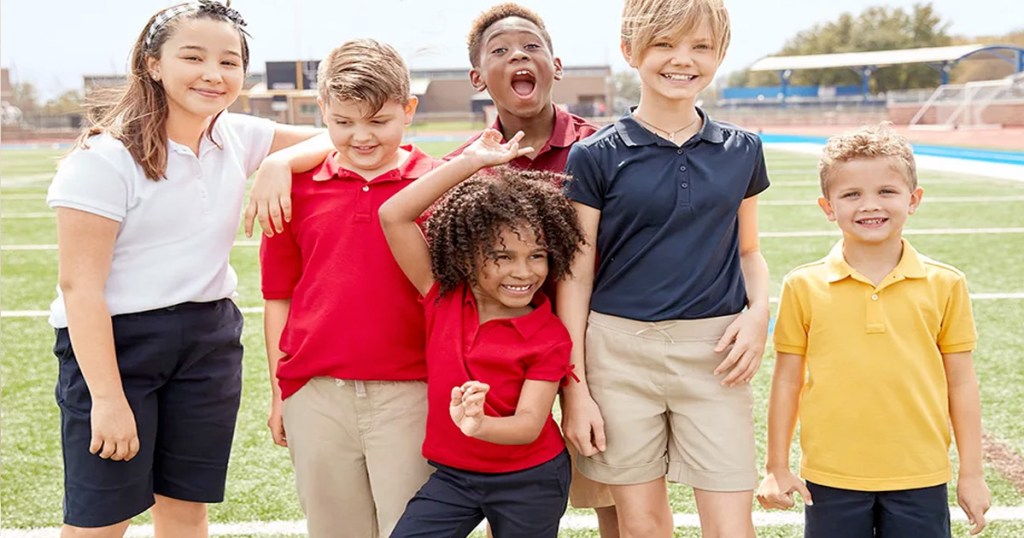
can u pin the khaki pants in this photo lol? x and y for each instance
(357, 451)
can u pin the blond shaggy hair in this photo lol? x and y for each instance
(366, 71)
(868, 142)
(646, 21)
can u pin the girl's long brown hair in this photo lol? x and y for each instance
(137, 114)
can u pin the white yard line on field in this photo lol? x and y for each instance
(258, 310)
(795, 203)
(569, 521)
(809, 233)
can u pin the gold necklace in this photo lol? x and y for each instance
(671, 135)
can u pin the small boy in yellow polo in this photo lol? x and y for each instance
(874, 348)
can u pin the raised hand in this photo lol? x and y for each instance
(488, 150)
(467, 406)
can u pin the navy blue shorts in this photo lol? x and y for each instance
(843, 513)
(181, 368)
(525, 504)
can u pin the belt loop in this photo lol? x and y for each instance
(360, 389)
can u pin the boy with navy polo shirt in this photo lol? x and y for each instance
(670, 327)
(344, 327)
(876, 323)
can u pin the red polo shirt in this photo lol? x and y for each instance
(502, 353)
(568, 130)
(354, 314)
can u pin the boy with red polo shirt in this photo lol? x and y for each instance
(513, 60)
(344, 327)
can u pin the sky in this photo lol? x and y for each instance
(53, 43)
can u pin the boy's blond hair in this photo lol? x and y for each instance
(646, 21)
(364, 70)
(868, 142)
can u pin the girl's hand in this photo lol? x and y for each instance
(973, 496)
(583, 424)
(114, 435)
(489, 151)
(467, 406)
(270, 199)
(747, 336)
(777, 489)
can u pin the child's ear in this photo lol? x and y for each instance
(826, 206)
(627, 52)
(915, 199)
(323, 111)
(477, 80)
(410, 109)
(558, 69)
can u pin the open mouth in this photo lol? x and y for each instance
(523, 83)
(872, 222)
(678, 77)
(517, 290)
(363, 149)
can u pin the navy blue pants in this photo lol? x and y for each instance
(181, 368)
(843, 513)
(526, 504)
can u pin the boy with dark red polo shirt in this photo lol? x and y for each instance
(513, 60)
(344, 327)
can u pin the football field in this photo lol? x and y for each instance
(972, 222)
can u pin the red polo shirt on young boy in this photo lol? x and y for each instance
(502, 353)
(568, 129)
(353, 313)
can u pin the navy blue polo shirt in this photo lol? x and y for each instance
(668, 241)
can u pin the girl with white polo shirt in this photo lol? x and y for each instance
(148, 339)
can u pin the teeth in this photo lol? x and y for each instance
(516, 288)
(523, 72)
(872, 221)
(674, 76)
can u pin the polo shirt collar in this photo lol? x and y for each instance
(563, 134)
(909, 266)
(527, 325)
(634, 134)
(416, 165)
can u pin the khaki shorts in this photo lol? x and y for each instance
(665, 412)
(584, 492)
(357, 451)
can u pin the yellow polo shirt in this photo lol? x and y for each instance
(874, 412)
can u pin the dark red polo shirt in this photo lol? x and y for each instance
(568, 130)
(354, 314)
(502, 353)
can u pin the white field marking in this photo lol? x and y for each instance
(813, 233)
(926, 231)
(258, 310)
(924, 182)
(932, 200)
(569, 521)
(23, 196)
(1014, 172)
(29, 179)
(927, 200)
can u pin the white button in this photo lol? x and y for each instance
(366, 188)
(874, 297)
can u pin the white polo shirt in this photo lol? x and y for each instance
(176, 234)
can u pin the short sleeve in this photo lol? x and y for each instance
(552, 364)
(759, 175)
(792, 323)
(957, 333)
(280, 264)
(90, 180)
(586, 183)
(255, 137)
